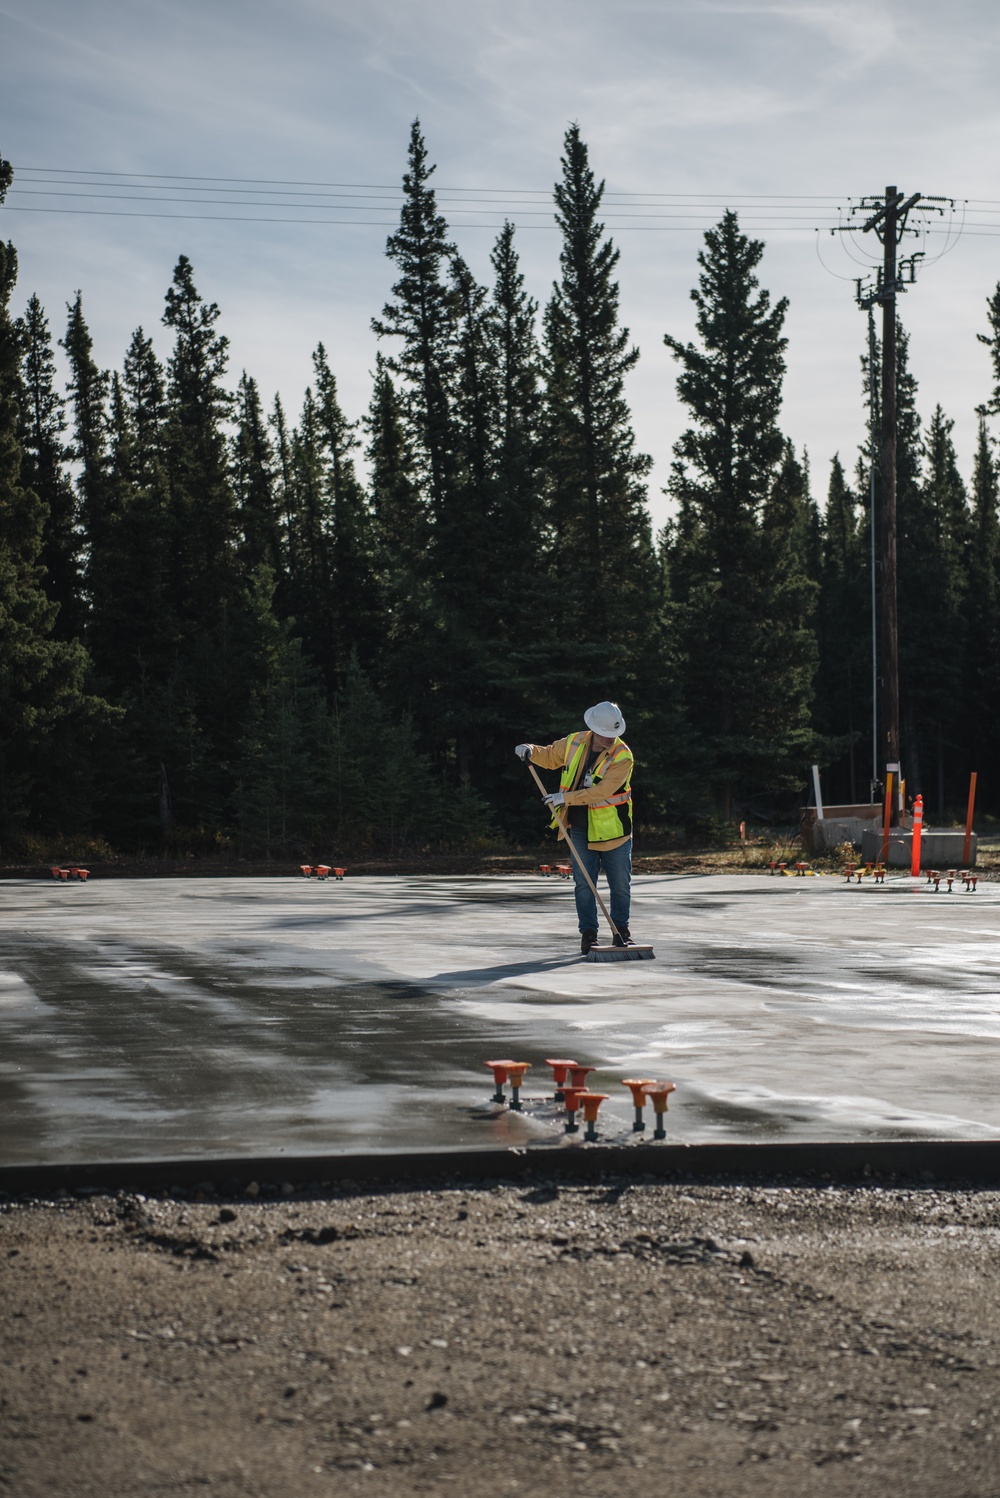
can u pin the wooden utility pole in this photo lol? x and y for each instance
(888, 221)
(888, 620)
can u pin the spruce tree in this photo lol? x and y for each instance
(401, 525)
(45, 712)
(981, 678)
(843, 628)
(603, 559)
(355, 627)
(310, 572)
(745, 676)
(88, 389)
(43, 440)
(255, 483)
(422, 317)
(934, 535)
(202, 503)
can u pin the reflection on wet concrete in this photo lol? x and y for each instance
(161, 1018)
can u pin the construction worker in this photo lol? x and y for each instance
(595, 789)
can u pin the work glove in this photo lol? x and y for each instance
(555, 799)
(523, 751)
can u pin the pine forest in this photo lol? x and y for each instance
(299, 632)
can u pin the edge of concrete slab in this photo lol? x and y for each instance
(920, 1162)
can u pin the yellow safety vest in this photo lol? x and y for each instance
(610, 819)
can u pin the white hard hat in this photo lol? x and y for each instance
(606, 719)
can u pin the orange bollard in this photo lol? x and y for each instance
(515, 1076)
(499, 1070)
(559, 1073)
(591, 1102)
(918, 832)
(545, 868)
(658, 1093)
(967, 845)
(579, 1075)
(339, 873)
(322, 870)
(571, 1097)
(637, 1087)
(306, 869)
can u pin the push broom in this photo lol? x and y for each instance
(596, 954)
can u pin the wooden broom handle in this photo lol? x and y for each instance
(578, 860)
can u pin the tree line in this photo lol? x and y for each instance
(219, 627)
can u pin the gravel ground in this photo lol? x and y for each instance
(563, 1339)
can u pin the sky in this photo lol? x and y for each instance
(789, 111)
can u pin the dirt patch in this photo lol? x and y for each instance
(581, 1340)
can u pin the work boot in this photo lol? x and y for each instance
(623, 937)
(587, 939)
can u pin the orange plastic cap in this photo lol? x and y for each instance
(591, 1102)
(499, 1070)
(572, 1096)
(580, 1075)
(658, 1092)
(516, 1071)
(637, 1087)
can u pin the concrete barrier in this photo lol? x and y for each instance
(940, 847)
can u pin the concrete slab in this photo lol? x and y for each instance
(160, 1018)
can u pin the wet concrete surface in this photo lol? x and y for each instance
(161, 1018)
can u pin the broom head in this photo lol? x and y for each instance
(619, 954)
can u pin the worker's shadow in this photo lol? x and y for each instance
(482, 975)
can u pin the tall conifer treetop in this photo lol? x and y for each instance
(732, 382)
(422, 315)
(603, 545)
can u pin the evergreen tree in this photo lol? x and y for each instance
(255, 484)
(603, 562)
(202, 504)
(134, 626)
(992, 342)
(43, 428)
(422, 317)
(843, 627)
(934, 534)
(355, 626)
(401, 524)
(745, 676)
(982, 670)
(278, 782)
(89, 391)
(310, 581)
(43, 703)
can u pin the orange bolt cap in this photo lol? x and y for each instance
(591, 1102)
(658, 1092)
(579, 1075)
(572, 1096)
(499, 1070)
(516, 1071)
(637, 1087)
(559, 1069)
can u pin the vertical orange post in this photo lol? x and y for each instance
(887, 817)
(967, 846)
(918, 828)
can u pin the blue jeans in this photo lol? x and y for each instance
(617, 866)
